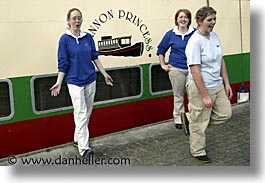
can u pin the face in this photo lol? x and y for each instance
(182, 20)
(208, 23)
(75, 20)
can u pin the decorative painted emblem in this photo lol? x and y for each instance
(121, 45)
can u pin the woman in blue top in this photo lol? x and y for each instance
(177, 39)
(76, 58)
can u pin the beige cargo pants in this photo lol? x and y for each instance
(200, 117)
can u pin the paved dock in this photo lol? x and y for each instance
(158, 144)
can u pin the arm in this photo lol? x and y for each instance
(163, 62)
(162, 48)
(63, 65)
(55, 89)
(224, 75)
(196, 74)
(108, 79)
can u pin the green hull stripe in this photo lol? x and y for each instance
(238, 68)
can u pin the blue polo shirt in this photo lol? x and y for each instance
(75, 56)
(177, 42)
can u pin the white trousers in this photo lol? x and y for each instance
(82, 100)
(178, 78)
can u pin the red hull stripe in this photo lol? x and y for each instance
(25, 136)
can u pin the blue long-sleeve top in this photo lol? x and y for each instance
(75, 57)
(177, 42)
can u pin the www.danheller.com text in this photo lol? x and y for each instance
(92, 160)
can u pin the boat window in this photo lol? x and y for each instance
(125, 41)
(42, 100)
(159, 80)
(127, 84)
(6, 100)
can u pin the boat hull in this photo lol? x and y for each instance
(135, 50)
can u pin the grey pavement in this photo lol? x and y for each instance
(158, 144)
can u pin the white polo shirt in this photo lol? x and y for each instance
(208, 53)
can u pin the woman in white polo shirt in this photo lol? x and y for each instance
(208, 85)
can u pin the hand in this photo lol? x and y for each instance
(108, 80)
(55, 89)
(165, 67)
(208, 103)
(229, 92)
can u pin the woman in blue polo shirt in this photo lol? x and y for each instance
(177, 69)
(76, 58)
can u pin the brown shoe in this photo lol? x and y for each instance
(185, 124)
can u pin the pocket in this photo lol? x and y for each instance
(200, 115)
(169, 68)
(192, 91)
